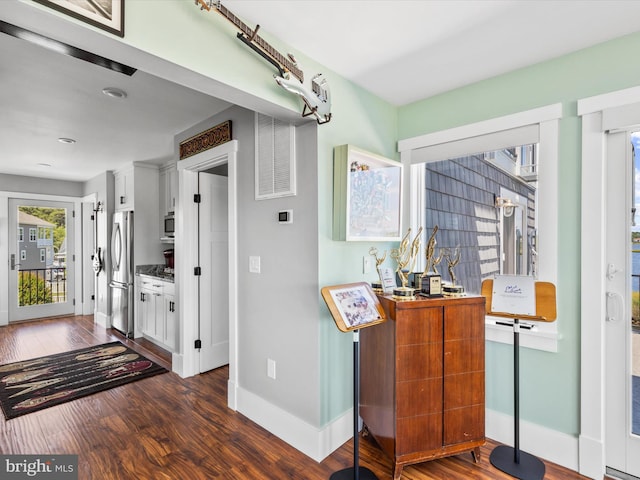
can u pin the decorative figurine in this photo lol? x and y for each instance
(378, 287)
(453, 258)
(431, 281)
(406, 255)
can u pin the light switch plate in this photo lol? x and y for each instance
(254, 264)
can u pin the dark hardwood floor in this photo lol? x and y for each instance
(167, 427)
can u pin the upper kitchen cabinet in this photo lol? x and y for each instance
(168, 188)
(124, 189)
(137, 177)
(136, 188)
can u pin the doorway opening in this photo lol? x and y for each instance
(41, 273)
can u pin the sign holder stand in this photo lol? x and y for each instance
(512, 460)
(354, 294)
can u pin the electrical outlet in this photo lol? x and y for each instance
(271, 368)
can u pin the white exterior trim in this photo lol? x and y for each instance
(593, 273)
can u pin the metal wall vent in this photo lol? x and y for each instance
(275, 158)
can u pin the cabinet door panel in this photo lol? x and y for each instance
(417, 434)
(419, 326)
(463, 390)
(419, 397)
(463, 321)
(463, 424)
(462, 356)
(415, 362)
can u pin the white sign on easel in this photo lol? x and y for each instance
(514, 294)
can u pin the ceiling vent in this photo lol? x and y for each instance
(275, 158)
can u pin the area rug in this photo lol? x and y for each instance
(32, 385)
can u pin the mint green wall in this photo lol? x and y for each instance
(177, 31)
(550, 382)
(365, 121)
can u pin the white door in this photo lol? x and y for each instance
(214, 279)
(622, 440)
(41, 259)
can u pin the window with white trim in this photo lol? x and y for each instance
(33, 234)
(43, 255)
(20, 234)
(535, 130)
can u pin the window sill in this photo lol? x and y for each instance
(541, 336)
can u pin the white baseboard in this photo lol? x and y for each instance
(547, 444)
(177, 363)
(102, 319)
(316, 443)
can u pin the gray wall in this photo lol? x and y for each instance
(42, 186)
(278, 307)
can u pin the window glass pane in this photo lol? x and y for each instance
(485, 207)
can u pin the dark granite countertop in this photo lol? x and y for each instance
(156, 271)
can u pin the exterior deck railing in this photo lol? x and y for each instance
(37, 286)
(635, 302)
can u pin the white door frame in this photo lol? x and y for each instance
(185, 360)
(4, 245)
(599, 113)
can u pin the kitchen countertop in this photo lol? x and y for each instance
(156, 271)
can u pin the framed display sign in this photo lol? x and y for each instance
(514, 294)
(367, 196)
(353, 306)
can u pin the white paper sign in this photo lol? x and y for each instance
(514, 294)
(388, 279)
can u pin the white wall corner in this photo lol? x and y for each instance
(544, 443)
(316, 443)
(177, 364)
(591, 456)
(102, 319)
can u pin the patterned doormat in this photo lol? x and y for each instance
(32, 385)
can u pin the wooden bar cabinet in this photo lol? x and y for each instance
(422, 379)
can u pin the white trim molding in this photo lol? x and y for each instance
(316, 443)
(539, 125)
(185, 359)
(599, 114)
(535, 439)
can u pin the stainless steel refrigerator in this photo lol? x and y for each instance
(121, 285)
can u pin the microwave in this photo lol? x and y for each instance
(170, 225)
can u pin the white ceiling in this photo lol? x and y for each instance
(401, 50)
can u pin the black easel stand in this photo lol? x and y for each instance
(356, 472)
(510, 460)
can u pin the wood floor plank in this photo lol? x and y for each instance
(169, 428)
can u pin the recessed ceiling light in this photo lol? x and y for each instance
(66, 140)
(46, 165)
(114, 92)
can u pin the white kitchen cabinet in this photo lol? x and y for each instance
(170, 316)
(168, 189)
(124, 189)
(156, 310)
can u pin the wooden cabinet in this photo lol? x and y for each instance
(156, 310)
(422, 379)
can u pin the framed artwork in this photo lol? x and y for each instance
(353, 306)
(105, 14)
(367, 196)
